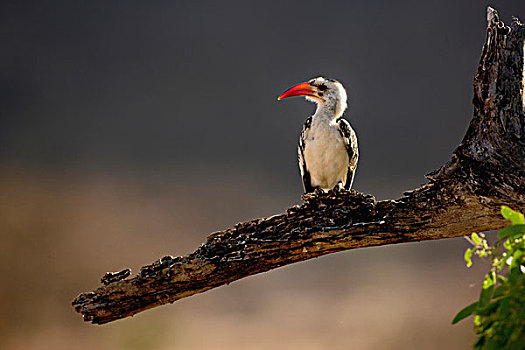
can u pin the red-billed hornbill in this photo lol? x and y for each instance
(328, 145)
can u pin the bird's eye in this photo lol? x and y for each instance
(322, 87)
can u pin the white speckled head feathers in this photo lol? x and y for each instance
(331, 95)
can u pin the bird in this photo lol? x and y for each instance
(328, 151)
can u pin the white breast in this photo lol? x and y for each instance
(325, 155)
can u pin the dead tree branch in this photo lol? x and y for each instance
(464, 195)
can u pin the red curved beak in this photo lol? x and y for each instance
(302, 89)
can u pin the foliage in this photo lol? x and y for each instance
(500, 311)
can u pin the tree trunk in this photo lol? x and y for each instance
(486, 171)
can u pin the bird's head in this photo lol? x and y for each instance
(327, 93)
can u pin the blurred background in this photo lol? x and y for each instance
(130, 130)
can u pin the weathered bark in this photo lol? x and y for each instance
(464, 195)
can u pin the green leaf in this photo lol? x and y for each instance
(489, 309)
(498, 292)
(498, 316)
(516, 258)
(502, 262)
(505, 305)
(465, 312)
(477, 320)
(485, 295)
(511, 231)
(468, 257)
(515, 217)
(475, 238)
(490, 280)
(492, 344)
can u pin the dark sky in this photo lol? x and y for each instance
(110, 84)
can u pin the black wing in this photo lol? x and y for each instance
(351, 147)
(307, 184)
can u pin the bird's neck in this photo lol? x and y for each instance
(328, 112)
